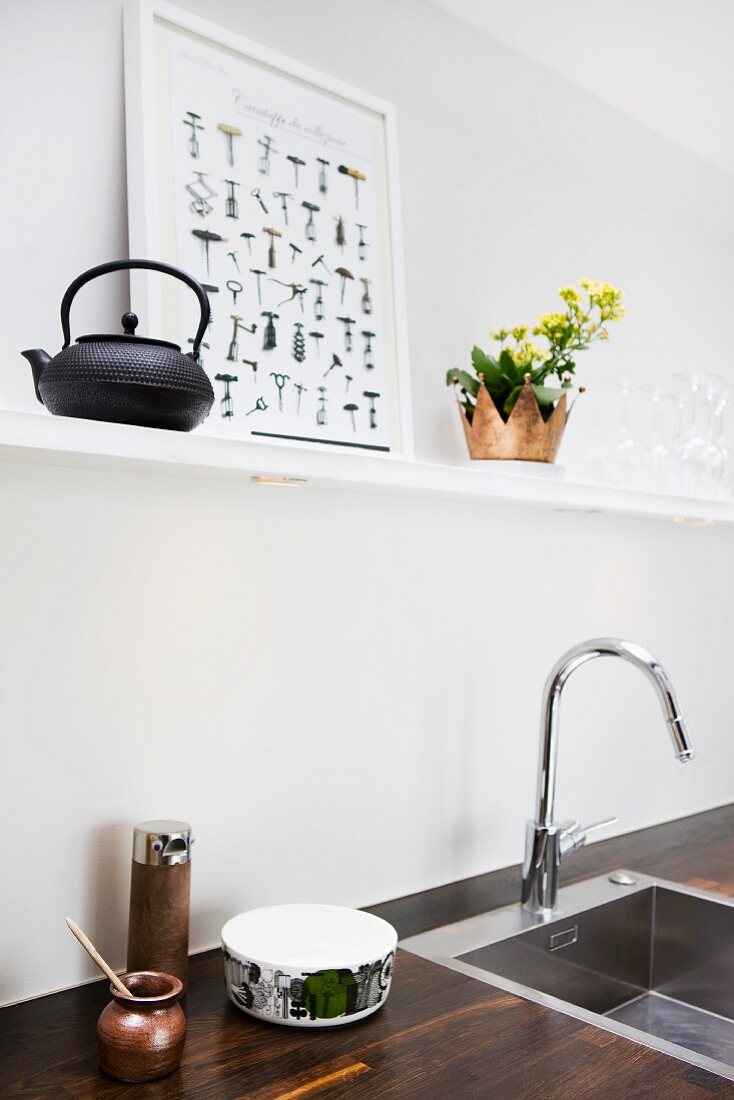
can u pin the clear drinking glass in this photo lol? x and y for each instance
(666, 438)
(697, 452)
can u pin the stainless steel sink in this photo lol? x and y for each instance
(638, 956)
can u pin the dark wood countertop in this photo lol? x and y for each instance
(440, 1036)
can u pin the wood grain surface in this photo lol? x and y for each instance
(158, 923)
(440, 1035)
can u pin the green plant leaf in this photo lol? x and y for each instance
(508, 368)
(511, 400)
(480, 358)
(546, 395)
(467, 381)
(486, 365)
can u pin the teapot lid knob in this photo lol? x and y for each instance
(129, 323)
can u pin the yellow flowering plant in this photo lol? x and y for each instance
(565, 332)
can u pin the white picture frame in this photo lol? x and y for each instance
(150, 104)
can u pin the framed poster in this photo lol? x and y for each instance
(275, 186)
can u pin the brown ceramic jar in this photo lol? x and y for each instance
(140, 1038)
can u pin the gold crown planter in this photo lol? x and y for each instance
(525, 437)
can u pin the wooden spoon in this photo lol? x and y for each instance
(95, 956)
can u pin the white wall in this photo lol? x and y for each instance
(666, 63)
(341, 692)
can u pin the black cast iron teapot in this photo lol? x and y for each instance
(126, 378)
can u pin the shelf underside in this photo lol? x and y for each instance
(29, 437)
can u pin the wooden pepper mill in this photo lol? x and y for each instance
(158, 929)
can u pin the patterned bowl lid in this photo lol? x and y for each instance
(309, 937)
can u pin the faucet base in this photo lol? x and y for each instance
(540, 875)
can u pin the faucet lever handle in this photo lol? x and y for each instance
(574, 836)
(603, 824)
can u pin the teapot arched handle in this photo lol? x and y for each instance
(149, 265)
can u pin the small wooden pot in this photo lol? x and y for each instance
(141, 1038)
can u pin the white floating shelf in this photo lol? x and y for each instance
(40, 438)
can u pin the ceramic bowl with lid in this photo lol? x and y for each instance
(308, 965)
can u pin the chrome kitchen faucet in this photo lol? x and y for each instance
(548, 843)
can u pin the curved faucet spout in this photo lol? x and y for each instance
(559, 674)
(547, 843)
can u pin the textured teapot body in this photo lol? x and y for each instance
(126, 383)
(125, 378)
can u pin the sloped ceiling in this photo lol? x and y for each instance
(667, 63)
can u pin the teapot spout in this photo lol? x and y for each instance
(38, 360)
